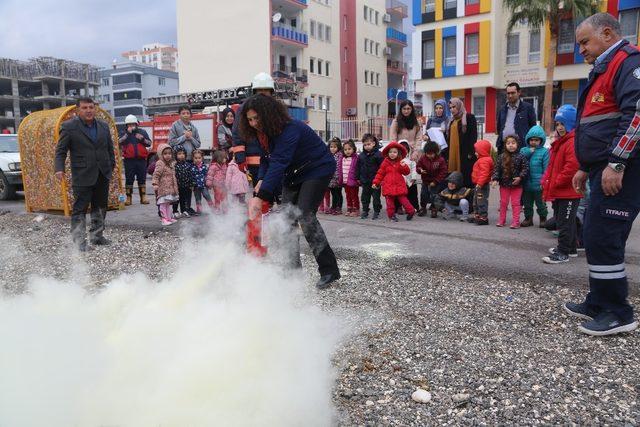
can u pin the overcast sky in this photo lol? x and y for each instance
(93, 31)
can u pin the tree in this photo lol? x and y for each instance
(538, 12)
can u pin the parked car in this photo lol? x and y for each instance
(10, 171)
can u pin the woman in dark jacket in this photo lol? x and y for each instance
(462, 134)
(294, 157)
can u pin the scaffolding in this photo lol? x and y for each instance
(47, 66)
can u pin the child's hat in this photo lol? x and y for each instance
(179, 148)
(567, 116)
(536, 132)
(396, 145)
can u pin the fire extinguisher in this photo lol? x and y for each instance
(256, 241)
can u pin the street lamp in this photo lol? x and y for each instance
(326, 121)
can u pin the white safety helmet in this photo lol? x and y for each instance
(263, 81)
(131, 119)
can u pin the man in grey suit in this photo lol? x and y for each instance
(88, 140)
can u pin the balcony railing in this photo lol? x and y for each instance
(395, 7)
(396, 36)
(122, 102)
(396, 66)
(281, 71)
(288, 33)
(121, 86)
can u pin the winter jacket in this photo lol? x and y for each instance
(453, 197)
(216, 175)
(412, 136)
(563, 165)
(413, 175)
(519, 168)
(524, 120)
(236, 180)
(176, 137)
(225, 137)
(335, 179)
(432, 170)
(538, 159)
(164, 176)
(368, 164)
(132, 147)
(184, 174)
(352, 178)
(199, 174)
(391, 173)
(295, 156)
(483, 167)
(609, 125)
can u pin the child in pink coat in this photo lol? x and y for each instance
(216, 177)
(236, 181)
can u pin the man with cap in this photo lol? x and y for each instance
(133, 144)
(607, 149)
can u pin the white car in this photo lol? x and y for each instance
(10, 172)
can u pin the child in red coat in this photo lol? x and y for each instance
(391, 177)
(481, 178)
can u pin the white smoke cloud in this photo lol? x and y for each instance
(226, 340)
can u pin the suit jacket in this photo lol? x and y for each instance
(525, 119)
(88, 157)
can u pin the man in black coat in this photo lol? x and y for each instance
(516, 117)
(88, 140)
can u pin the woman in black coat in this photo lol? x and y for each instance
(296, 159)
(462, 134)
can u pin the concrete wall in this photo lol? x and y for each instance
(229, 51)
(368, 93)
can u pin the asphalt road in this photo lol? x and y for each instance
(484, 250)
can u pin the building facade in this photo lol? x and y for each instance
(158, 55)
(336, 53)
(40, 84)
(461, 49)
(125, 86)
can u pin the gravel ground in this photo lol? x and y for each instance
(488, 350)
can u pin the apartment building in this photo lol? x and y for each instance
(461, 49)
(158, 55)
(125, 86)
(335, 53)
(40, 84)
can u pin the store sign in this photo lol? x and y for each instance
(525, 77)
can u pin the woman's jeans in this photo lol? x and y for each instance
(305, 199)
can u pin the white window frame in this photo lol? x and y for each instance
(366, 77)
(312, 67)
(377, 49)
(472, 58)
(484, 107)
(428, 64)
(320, 31)
(534, 56)
(566, 39)
(366, 13)
(573, 99)
(513, 58)
(429, 6)
(632, 38)
(450, 4)
(312, 29)
(320, 61)
(327, 35)
(449, 61)
(326, 66)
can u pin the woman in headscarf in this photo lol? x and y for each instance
(439, 117)
(224, 129)
(406, 126)
(462, 134)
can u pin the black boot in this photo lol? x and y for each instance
(325, 281)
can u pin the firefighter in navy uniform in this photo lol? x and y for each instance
(607, 148)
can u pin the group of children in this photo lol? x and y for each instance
(175, 180)
(526, 175)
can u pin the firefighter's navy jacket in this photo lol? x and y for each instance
(609, 110)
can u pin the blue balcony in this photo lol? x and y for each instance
(397, 37)
(290, 35)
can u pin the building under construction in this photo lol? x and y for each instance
(40, 84)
